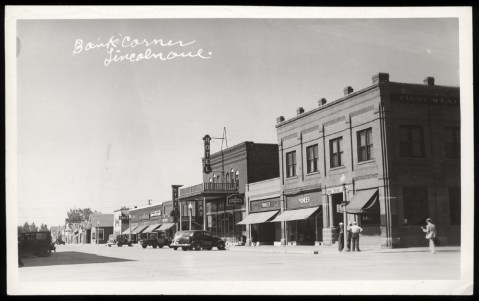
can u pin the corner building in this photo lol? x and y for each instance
(391, 151)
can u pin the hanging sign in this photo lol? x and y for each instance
(174, 195)
(235, 199)
(207, 162)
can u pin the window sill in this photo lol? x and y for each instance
(292, 178)
(313, 173)
(366, 162)
(337, 168)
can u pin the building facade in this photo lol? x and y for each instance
(101, 227)
(223, 189)
(121, 221)
(388, 155)
(156, 217)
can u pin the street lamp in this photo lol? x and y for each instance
(345, 202)
(97, 232)
(190, 212)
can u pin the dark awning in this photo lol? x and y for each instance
(259, 217)
(297, 214)
(138, 229)
(151, 228)
(362, 200)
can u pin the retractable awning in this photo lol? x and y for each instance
(127, 231)
(259, 217)
(362, 201)
(139, 229)
(165, 226)
(297, 214)
(151, 228)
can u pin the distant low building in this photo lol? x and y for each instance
(101, 227)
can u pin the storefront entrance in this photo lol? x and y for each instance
(306, 231)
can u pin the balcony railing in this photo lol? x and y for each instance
(209, 188)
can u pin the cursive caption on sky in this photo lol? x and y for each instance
(125, 48)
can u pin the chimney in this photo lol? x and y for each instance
(380, 78)
(348, 90)
(322, 102)
(429, 81)
(299, 111)
(279, 119)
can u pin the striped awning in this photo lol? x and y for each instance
(139, 229)
(127, 231)
(151, 228)
(258, 217)
(297, 214)
(165, 226)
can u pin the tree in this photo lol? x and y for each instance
(26, 227)
(125, 208)
(33, 227)
(44, 227)
(20, 229)
(79, 215)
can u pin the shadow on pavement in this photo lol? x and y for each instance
(65, 258)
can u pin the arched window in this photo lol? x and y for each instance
(214, 178)
(237, 177)
(232, 179)
(217, 178)
(211, 180)
(227, 179)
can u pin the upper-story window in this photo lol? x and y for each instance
(214, 178)
(411, 143)
(336, 152)
(312, 158)
(291, 164)
(365, 145)
(227, 177)
(237, 177)
(217, 178)
(211, 180)
(453, 142)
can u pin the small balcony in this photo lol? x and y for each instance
(208, 190)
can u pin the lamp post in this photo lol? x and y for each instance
(97, 232)
(345, 203)
(190, 211)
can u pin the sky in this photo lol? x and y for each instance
(90, 135)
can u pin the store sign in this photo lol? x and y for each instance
(144, 216)
(265, 204)
(235, 199)
(304, 200)
(174, 195)
(207, 162)
(334, 190)
(425, 99)
(156, 213)
(124, 217)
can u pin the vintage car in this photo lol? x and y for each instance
(153, 239)
(197, 239)
(36, 243)
(118, 240)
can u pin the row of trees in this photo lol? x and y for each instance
(32, 228)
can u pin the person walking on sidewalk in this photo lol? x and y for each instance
(355, 230)
(341, 237)
(431, 234)
(349, 236)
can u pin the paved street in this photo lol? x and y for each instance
(88, 262)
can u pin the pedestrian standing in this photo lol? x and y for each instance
(341, 237)
(355, 230)
(431, 234)
(349, 236)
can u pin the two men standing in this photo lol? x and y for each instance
(352, 237)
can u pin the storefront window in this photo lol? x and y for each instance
(239, 216)
(292, 230)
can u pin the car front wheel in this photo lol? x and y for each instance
(144, 246)
(175, 248)
(197, 246)
(184, 248)
(46, 252)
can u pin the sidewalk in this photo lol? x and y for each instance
(334, 249)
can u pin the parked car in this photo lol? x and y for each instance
(197, 239)
(36, 243)
(118, 240)
(154, 240)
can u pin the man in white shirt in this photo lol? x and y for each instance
(355, 230)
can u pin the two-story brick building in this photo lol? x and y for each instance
(392, 150)
(153, 217)
(232, 169)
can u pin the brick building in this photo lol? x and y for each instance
(153, 217)
(232, 169)
(392, 150)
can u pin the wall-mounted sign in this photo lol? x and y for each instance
(174, 195)
(207, 162)
(265, 204)
(155, 213)
(124, 217)
(144, 216)
(425, 99)
(304, 200)
(334, 190)
(235, 199)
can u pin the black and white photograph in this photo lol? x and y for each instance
(169, 150)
